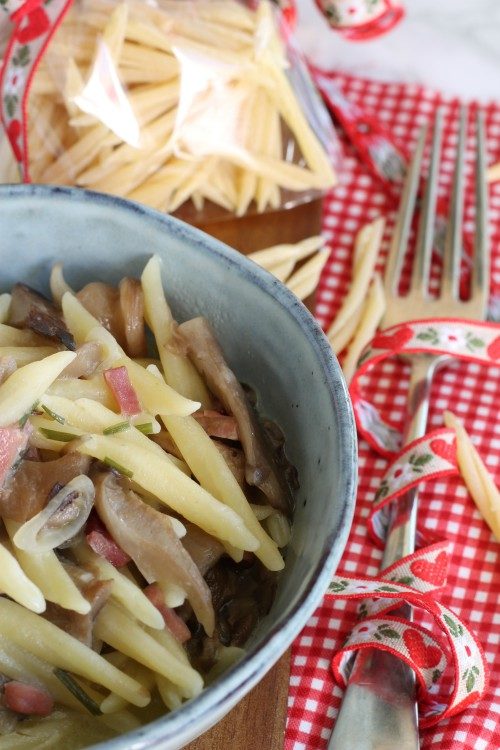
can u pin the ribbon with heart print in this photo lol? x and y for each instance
(433, 456)
(465, 340)
(35, 22)
(430, 653)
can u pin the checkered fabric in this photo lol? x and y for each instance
(445, 508)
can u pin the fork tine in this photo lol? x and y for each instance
(422, 261)
(399, 242)
(453, 240)
(481, 263)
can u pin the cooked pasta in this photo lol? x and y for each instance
(127, 505)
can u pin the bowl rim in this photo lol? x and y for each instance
(240, 678)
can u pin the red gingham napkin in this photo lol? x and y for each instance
(445, 508)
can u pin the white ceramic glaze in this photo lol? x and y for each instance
(272, 343)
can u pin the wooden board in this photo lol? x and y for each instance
(255, 231)
(258, 721)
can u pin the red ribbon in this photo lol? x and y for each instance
(35, 22)
(417, 578)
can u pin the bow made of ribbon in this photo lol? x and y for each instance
(416, 579)
(466, 340)
(429, 652)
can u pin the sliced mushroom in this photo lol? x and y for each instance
(61, 519)
(95, 591)
(120, 311)
(88, 357)
(101, 300)
(203, 549)
(30, 309)
(208, 358)
(235, 459)
(241, 595)
(217, 425)
(149, 538)
(163, 439)
(34, 482)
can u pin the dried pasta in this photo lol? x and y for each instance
(367, 246)
(298, 265)
(372, 314)
(155, 139)
(476, 476)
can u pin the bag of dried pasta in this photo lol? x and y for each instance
(205, 103)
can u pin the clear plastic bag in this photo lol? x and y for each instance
(175, 103)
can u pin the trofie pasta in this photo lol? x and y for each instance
(144, 511)
(363, 308)
(476, 476)
(281, 260)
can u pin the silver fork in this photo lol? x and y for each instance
(379, 710)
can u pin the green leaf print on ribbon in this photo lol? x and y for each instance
(10, 102)
(455, 628)
(22, 58)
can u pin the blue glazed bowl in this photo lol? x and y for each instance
(272, 343)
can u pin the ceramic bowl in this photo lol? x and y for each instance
(272, 343)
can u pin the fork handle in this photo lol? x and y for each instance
(379, 708)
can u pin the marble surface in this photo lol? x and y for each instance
(450, 45)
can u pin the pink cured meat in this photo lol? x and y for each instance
(27, 699)
(174, 623)
(118, 380)
(13, 440)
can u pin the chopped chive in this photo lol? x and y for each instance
(146, 428)
(120, 427)
(115, 465)
(26, 416)
(71, 684)
(62, 437)
(53, 415)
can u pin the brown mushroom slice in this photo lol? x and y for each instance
(60, 520)
(217, 425)
(164, 440)
(30, 309)
(203, 549)
(235, 459)
(207, 356)
(102, 301)
(31, 486)
(88, 357)
(120, 311)
(95, 591)
(132, 311)
(149, 538)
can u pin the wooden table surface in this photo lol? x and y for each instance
(258, 721)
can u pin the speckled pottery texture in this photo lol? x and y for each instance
(272, 343)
